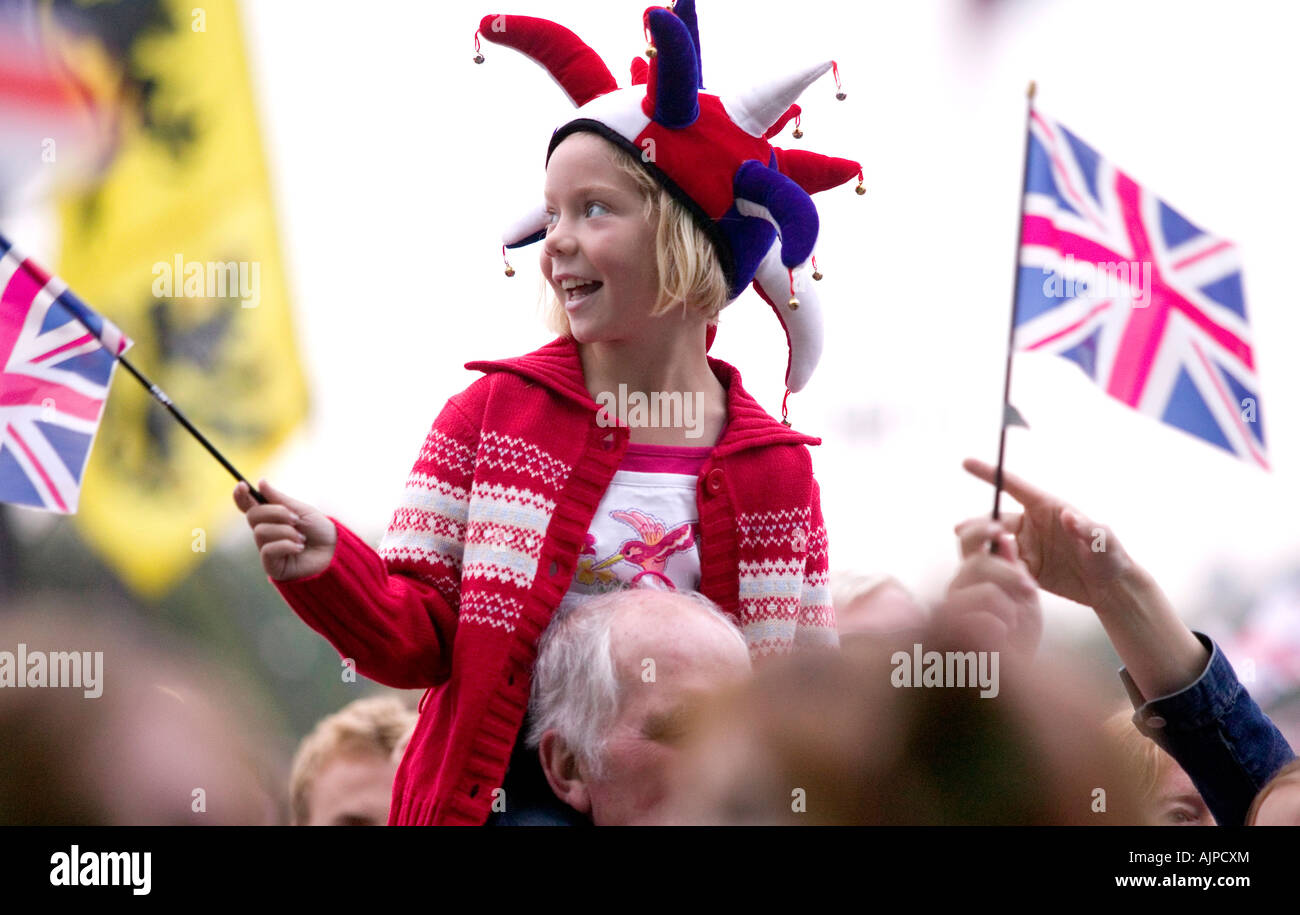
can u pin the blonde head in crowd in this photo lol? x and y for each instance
(1278, 802)
(374, 727)
(1167, 794)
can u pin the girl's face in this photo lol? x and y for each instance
(599, 237)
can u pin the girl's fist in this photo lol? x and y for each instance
(294, 539)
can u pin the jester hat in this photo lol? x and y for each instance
(710, 152)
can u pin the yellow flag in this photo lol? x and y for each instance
(177, 246)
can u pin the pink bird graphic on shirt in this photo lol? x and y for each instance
(656, 545)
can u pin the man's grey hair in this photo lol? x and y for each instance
(575, 689)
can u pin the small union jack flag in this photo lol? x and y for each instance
(56, 362)
(1149, 305)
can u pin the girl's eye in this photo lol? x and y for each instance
(553, 217)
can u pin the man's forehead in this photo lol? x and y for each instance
(668, 624)
(683, 650)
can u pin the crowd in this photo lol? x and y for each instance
(647, 708)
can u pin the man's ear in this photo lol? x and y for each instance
(562, 772)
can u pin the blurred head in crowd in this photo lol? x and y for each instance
(616, 680)
(829, 739)
(1278, 802)
(343, 771)
(1166, 794)
(167, 740)
(873, 605)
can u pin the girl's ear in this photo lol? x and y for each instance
(564, 773)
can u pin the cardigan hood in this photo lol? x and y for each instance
(558, 366)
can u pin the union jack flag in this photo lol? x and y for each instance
(1149, 305)
(56, 362)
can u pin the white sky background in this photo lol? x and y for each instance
(397, 162)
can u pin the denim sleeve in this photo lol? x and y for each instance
(1215, 731)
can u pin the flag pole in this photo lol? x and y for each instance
(161, 396)
(1015, 296)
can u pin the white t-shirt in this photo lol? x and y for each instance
(645, 530)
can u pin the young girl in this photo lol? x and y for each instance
(526, 493)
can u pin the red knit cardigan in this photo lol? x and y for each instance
(490, 529)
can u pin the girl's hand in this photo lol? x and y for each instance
(295, 540)
(1065, 552)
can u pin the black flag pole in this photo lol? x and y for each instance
(1009, 411)
(161, 396)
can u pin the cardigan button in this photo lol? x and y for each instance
(713, 481)
(1155, 721)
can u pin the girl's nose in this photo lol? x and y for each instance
(559, 240)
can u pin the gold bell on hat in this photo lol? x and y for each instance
(478, 58)
(861, 188)
(794, 304)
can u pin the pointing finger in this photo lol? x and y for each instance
(1024, 493)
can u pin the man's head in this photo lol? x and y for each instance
(616, 680)
(343, 771)
(873, 605)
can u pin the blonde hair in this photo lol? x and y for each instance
(375, 726)
(1145, 759)
(1288, 774)
(688, 268)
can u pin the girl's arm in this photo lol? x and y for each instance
(392, 613)
(394, 629)
(816, 624)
